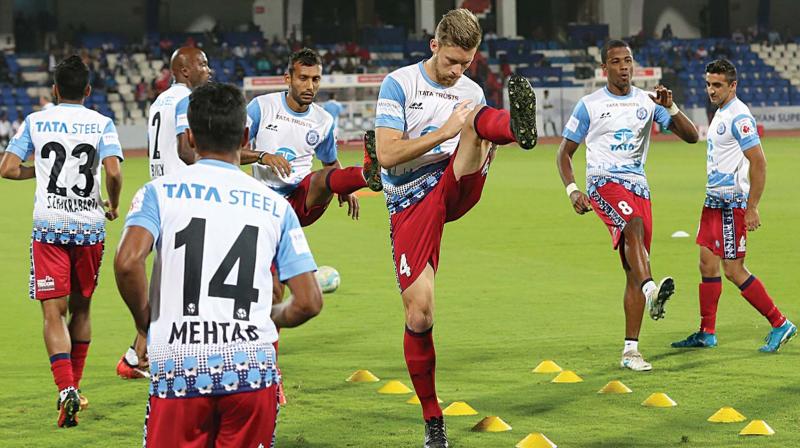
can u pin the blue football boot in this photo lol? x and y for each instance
(697, 340)
(779, 336)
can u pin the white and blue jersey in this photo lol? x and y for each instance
(411, 102)
(617, 133)
(731, 133)
(216, 231)
(277, 129)
(334, 108)
(69, 143)
(165, 122)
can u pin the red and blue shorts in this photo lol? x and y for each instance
(297, 199)
(244, 419)
(58, 270)
(416, 231)
(723, 231)
(617, 206)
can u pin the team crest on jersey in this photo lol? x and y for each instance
(312, 137)
(641, 113)
(721, 129)
(745, 127)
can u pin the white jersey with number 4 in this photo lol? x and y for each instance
(166, 120)
(617, 133)
(731, 133)
(69, 143)
(297, 136)
(217, 233)
(411, 102)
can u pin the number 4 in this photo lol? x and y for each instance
(404, 268)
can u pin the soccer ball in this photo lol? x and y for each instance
(328, 279)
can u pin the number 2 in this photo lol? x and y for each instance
(156, 117)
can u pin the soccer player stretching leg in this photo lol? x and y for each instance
(737, 173)
(435, 139)
(616, 121)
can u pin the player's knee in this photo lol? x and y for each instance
(419, 319)
(735, 273)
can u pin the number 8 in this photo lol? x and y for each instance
(625, 208)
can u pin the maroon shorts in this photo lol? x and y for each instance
(416, 232)
(297, 199)
(245, 419)
(724, 232)
(60, 270)
(617, 206)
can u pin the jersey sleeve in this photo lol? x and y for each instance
(326, 150)
(109, 143)
(661, 116)
(181, 117)
(745, 132)
(578, 124)
(253, 118)
(391, 109)
(21, 144)
(293, 256)
(144, 211)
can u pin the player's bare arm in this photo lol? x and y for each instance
(304, 303)
(580, 202)
(113, 186)
(680, 124)
(353, 207)
(758, 180)
(185, 150)
(130, 272)
(12, 168)
(393, 150)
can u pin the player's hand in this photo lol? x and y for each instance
(352, 204)
(663, 96)
(580, 202)
(453, 126)
(751, 219)
(111, 213)
(279, 164)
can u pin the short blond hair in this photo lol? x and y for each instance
(459, 28)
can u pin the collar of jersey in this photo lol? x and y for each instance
(218, 163)
(428, 79)
(70, 105)
(289, 109)
(729, 103)
(608, 92)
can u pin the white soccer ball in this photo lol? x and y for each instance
(328, 279)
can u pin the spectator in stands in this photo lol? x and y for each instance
(666, 33)
(738, 36)
(548, 110)
(141, 94)
(163, 81)
(263, 65)
(5, 129)
(701, 53)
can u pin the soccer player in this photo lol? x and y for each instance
(288, 129)
(334, 108)
(435, 140)
(210, 331)
(169, 150)
(616, 122)
(737, 173)
(69, 143)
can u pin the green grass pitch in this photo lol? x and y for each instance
(522, 279)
